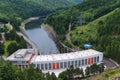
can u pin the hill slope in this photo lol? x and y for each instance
(81, 14)
(76, 1)
(103, 33)
(105, 25)
(18, 10)
(100, 25)
(54, 4)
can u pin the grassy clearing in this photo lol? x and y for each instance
(6, 45)
(111, 75)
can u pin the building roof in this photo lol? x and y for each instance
(66, 56)
(87, 45)
(21, 55)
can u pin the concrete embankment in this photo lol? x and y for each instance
(23, 33)
(22, 27)
(29, 42)
(61, 47)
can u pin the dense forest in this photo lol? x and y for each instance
(80, 14)
(12, 43)
(94, 22)
(15, 11)
(11, 72)
(103, 33)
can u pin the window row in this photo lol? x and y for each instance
(67, 64)
(19, 62)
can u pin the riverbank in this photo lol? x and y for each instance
(35, 40)
(23, 33)
(52, 34)
(22, 26)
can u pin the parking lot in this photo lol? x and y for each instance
(109, 63)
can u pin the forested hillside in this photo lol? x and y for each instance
(11, 72)
(15, 11)
(80, 14)
(103, 33)
(78, 1)
(75, 1)
(93, 21)
(54, 4)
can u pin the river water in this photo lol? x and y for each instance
(41, 39)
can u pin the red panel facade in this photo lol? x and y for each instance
(58, 65)
(92, 60)
(89, 61)
(55, 66)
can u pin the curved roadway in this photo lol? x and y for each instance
(23, 33)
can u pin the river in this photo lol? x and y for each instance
(41, 39)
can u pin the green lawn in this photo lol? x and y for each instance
(111, 75)
(6, 45)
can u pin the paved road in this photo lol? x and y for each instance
(108, 63)
(29, 41)
(22, 26)
(23, 33)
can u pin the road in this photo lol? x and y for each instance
(3, 33)
(22, 26)
(109, 63)
(68, 34)
(23, 33)
(27, 21)
(29, 42)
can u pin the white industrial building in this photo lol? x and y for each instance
(63, 61)
(56, 62)
(22, 57)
